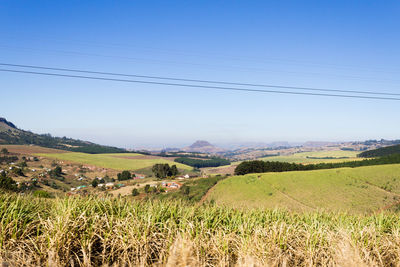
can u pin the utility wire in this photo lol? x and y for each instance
(198, 81)
(196, 86)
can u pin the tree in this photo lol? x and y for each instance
(173, 171)
(4, 151)
(7, 183)
(135, 192)
(164, 170)
(95, 182)
(125, 175)
(23, 164)
(56, 172)
(147, 188)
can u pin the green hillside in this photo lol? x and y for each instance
(11, 135)
(126, 161)
(357, 190)
(379, 152)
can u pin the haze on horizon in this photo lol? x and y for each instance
(337, 45)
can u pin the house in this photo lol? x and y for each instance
(171, 184)
(139, 176)
(110, 185)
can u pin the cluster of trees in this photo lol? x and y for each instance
(125, 175)
(199, 163)
(164, 170)
(259, 166)
(155, 189)
(379, 152)
(7, 183)
(8, 159)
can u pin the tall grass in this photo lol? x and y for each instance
(122, 232)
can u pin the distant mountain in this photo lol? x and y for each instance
(319, 144)
(203, 147)
(11, 135)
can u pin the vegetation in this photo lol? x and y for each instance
(8, 159)
(6, 182)
(121, 232)
(135, 192)
(20, 137)
(356, 190)
(259, 166)
(164, 170)
(193, 190)
(124, 161)
(200, 163)
(325, 156)
(42, 194)
(56, 172)
(379, 152)
(125, 175)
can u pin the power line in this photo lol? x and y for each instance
(213, 66)
(196, 86)
(197, 80)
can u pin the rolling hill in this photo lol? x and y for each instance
(356, 190)
(10, 134)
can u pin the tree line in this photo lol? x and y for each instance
(379, 152)
(200, 163)
(259, 166)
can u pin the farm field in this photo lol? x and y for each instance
(355, 190)
(112, 161)
(316, 157)
(27, 149)
(227, 169)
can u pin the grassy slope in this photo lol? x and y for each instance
(302, 157)
(112, 162)
(347, 189)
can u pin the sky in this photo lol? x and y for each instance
(344, 45)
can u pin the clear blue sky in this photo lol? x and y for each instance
(350, 45)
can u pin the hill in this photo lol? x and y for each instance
(203, 147)
(356, 190)
(379, 152)
(10, 134)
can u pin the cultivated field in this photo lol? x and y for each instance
(126, 161)
(328, 156)
(26, 149)
(356, 190)
(122, 232)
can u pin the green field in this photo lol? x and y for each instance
(356, 190)
(316, 157)
(112, 161)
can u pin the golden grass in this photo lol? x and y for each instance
(122, 232)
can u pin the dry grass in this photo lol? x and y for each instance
(122, 232)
